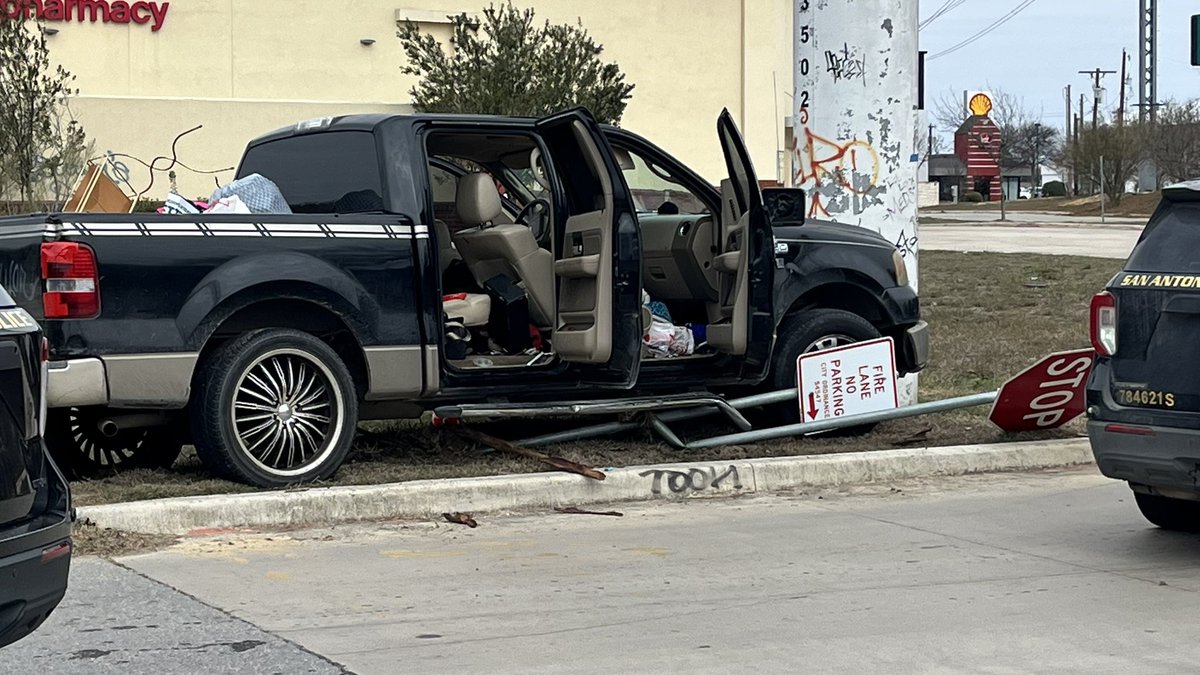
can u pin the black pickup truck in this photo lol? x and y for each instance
(432, 259)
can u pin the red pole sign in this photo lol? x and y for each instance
(1045, 395)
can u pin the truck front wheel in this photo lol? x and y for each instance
(274, 407)
(810, 331)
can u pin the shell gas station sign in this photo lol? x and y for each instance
(979, 103)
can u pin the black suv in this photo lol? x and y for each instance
(1144, 392)
(35, 505)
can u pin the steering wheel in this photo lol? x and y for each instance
(535, 214)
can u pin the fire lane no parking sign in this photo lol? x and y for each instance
(851, 380)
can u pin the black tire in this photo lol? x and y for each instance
(804, 332)
(1179, 515)
(80, 450)
(295, 396)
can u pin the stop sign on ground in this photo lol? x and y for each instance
(1045, 395)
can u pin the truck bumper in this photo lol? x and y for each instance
(122, 381)
(913, 348)
(76, 383)
(1164, 458)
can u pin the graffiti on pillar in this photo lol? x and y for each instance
(840, 176)
(846, 64)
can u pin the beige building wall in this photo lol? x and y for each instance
(243, 67)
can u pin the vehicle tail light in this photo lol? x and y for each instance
(72, 284)
(1104, 323)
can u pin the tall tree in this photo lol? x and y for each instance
(1173, 141)
(504, 64)
(1106, 156)
(39, 142)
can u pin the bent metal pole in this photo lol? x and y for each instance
(844, 422)
(609, 428)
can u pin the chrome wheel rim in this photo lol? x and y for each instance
(829, 342)
(286, 412)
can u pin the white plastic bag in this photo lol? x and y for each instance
(232, 204)
(665, 340)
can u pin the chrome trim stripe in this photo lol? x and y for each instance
(243, 229)
(150, 380)
(883, 246)
(394, 372)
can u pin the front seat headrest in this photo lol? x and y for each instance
(477, 200)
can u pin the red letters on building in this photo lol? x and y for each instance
(107, 11)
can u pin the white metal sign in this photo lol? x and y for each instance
(850, 380)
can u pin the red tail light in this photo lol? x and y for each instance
(1104, 323)
(72, 283)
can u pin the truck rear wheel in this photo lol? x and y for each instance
(810, 331)
(83, 447)
(274, 407)
(1180, 515)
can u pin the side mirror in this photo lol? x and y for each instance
(784, 206)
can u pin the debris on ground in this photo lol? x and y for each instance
(460, 519)
(573, 509)
(559, 463)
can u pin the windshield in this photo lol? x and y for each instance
(654, 188)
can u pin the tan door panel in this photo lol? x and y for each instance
(729, 316)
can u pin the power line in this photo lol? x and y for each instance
(994, 25)
(946, 7)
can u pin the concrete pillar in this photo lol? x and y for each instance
(856, 132)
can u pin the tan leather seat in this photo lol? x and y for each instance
(447, 254)
(509, 249)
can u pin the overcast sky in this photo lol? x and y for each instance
(1037, 53)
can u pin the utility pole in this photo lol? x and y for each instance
(1035, 172)
(1147, 59)
(930, 153)
(1121, 105)
(1070, 118)
(1097, 91)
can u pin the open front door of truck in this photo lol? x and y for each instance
(597, 254)
(741, 321)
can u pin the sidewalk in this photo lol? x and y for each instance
(1096, 242)
(430, 498)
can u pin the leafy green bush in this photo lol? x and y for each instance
(147, 205)
(1055, 188)
(972, 197)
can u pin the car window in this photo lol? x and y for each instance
(1169, 242)
(655, 190)
(330, 172)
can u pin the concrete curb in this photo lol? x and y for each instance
(430, 498)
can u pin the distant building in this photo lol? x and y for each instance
(953, 179)
(977, 145)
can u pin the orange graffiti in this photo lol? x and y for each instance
(838, 163)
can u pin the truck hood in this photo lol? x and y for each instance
(823, 230)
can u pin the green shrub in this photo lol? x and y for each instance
(972, 197)
(1055, 188)
(147, 205)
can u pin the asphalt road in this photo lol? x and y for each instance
(1038, 217)
(1092, 241)
(1051, 572)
